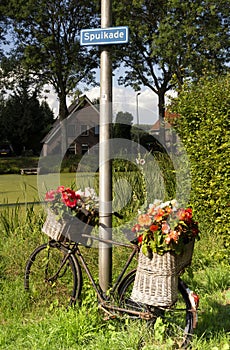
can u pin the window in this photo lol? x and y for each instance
(84, 131)
(84, 148)
(96, 130)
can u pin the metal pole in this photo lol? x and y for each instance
(105, 173)
(138, 122)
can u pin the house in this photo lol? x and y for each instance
(78, 132)
(170, 135)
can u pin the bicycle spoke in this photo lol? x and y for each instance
(51, 277)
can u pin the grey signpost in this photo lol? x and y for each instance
(105, 170)
(105, 36)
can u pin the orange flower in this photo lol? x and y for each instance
(159, 215)
(144, 220)
(168, 210)
(174, 235)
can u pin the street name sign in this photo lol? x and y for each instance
(104, 36)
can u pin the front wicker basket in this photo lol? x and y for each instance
(156, 280)
(70, 228)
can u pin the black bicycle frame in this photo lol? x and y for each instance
(102, 297)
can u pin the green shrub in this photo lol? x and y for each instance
(204, 127)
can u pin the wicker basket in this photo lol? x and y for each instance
(70, 228)
(156, 281)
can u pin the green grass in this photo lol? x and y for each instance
(24, 188)
(25, 324)
(28, 325)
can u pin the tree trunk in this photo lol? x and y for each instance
(63, 114)
(63, 110)
(161, 111)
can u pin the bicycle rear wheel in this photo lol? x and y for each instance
(178, 319)
(52, 276)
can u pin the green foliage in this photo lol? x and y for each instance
(123, 125)
(24, 121)
(47, 43)
(204, 128)
(171, 40)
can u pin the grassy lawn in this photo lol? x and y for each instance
(26, 188)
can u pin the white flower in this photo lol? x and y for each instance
(80, 192)
(157, 202)
(174, 204)
(140, 161)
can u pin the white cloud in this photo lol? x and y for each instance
(124, 99)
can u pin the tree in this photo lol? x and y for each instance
(3, 24)
(123, 125)
(172, 40)
(48, 45)
(24, 121)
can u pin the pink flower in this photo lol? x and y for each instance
(136, 228)
(165, 227)
(50, 196)
(60, 189)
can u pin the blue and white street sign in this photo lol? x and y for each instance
(104, 36)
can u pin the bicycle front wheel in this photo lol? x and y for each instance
(52, 276)
(178, 320)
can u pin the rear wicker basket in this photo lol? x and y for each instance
(156, 281)
(69, 229)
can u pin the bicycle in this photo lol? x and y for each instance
(55, 268)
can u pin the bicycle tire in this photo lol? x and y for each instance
(178, 319)
(45, 283)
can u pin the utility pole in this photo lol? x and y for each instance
(138, 122)
(105, 171)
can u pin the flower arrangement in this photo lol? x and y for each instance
(65, 202)
(165, 227)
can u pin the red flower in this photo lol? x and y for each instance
(140, 239)
(154, 228)
(185, 215)
(69, 198)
